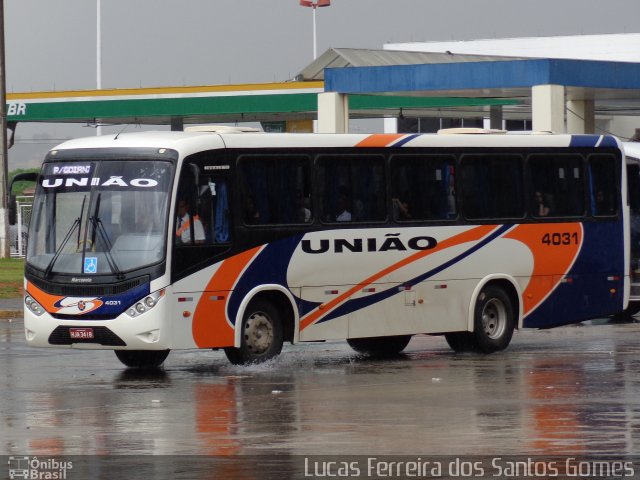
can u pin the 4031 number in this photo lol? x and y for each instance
(560, 238)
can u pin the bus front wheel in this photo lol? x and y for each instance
(142, 358)
(262, 335)
(380, 346)
(494, 320)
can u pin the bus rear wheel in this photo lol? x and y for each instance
(494, 320)
(142, 358)
(461, 342)
(632, 309)
(380, 346)
(262, 335)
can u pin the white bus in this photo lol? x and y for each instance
(312, 237)
(632, 154)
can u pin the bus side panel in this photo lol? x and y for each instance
(433, 306)
(598, 287)
(594, 285)
(217, 306)
(383, 273)
(386, 287)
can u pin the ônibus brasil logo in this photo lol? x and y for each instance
(38, 468)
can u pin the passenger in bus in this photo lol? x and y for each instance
(251, 213)
(302, 212)
(541, 207)
(183, 225)
(451, 197)
(343, 215)
(603, 205)
(400, 209)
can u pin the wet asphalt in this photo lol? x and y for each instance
(11, 307)
(568, 391)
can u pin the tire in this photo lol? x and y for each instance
(632, 309)
(494, 320)
(262, 335)
(380, 346)
(142, 358)
(461, 342)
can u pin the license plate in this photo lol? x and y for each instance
(81, 333)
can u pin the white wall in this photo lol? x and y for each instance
(622, 47)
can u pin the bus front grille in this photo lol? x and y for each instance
(101, 335)
(100, 290)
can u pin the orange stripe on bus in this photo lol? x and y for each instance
(46, 300)
(469, 236)
(210, 326)
(380, 139)
(551, 260)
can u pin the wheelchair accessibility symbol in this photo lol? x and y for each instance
(91, 265)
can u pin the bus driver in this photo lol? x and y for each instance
(183, 225)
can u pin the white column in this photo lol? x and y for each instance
(390, 125)
(315, 43)
(333, 113)
(581, 116)
(547, 108)
(5, 240)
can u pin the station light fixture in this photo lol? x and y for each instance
(314, 5)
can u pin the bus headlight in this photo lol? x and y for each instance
(33, 306)
(146, 304)
(149, 302)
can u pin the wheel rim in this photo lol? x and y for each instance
(494, 318)
(258, 333)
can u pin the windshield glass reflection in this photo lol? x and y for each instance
(100, 217)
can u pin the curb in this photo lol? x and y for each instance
(5, 314)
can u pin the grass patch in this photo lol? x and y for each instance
(11, 277)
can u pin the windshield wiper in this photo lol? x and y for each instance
(76, 224)
(98, 227)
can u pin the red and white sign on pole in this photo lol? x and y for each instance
(314, 5)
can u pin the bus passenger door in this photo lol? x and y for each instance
(202, 220)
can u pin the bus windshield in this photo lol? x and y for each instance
(100, 217)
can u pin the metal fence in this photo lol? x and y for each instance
(19, 233)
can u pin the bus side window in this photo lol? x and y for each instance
(557, 183)
(202, 203)
(352, 188)
(602, 182)
(491, 186)
(423, 187)
(275, 189)
(214, 210)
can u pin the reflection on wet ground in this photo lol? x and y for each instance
(572, 390)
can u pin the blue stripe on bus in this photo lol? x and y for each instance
(604, 141)
(608, 141)
(584, 140)
(118, 303)
(404, 140)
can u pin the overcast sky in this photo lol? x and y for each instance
(51, 45)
